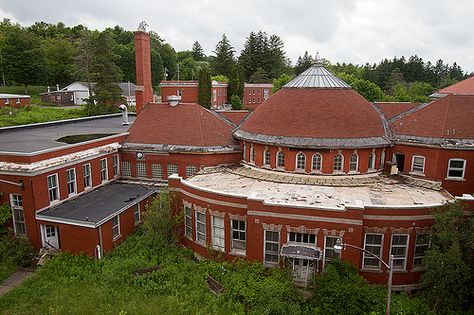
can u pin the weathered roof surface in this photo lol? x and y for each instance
(450, 117)
(100, 204)
(379, 192)
(462, 87)
(317, 77)
(314, 116)
(300, 251)
(391, 109)
(36, 137)
(183, 125)
(236, 116)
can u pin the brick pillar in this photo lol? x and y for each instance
(144, 91)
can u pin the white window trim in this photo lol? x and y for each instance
(190, 237)
(276, 160)
(198, 241)
(406, 251)
(119, 234)
(371, 268)
(214, 237)
(264, 159)
(13, 207)
(463, 170)
(413, 164)
(116, 166)
(264, 253)
(139, 214)
(252, 154)
(324, 248)
(300, 170)
(75, 181)
(235, 251)
(373, 164)
(341, 171)
(106, 170)
(58, 192)
(321, 163)
(90, 176)
(139, 165)
(356, 163)
(418, 267)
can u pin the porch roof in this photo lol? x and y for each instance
(94, 208)
(300, 251)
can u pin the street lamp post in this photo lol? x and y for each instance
(339, 245)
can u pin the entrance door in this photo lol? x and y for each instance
(400, 160)
(50, 237)
(303, 269)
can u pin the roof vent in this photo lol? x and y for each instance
(174, 100)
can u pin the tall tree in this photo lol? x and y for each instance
(278, 83)
(105, 72)
(85, 60)
(259, 76)
(303, 63)
(59, 56)
(204, 88)
(223, 60)
(198, 52)
(236, 82)
(276, 57)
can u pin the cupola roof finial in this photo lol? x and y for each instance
(142, 26)
(317, 59)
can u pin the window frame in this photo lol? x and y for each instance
(17, 207)
(364, 255)
(157, 170)
(104, 172)
(280, 157)
(456, 169)
(216, 237)
(400, 246)
(266, 158)
(239, 232)
(277, 253)
(188, 222)
(191, 170)
(338, 159)
(314, 161)
(70, 181)
(115, 165)
(297, 166)
(372, 158)
(170, 167)
(331, 249)
(252, 154)
(115, 225)
(354, 163)
(204, 224)
(141, 169)
(126, 168)
(137, 213)
(87, 177)
(56, 188)
(422, 255)
(417, 172)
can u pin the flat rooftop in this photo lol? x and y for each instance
(368, 191)
(43, 136)
(99, 205)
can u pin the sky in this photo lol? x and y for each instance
(356, 31)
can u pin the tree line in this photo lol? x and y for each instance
(50, 54)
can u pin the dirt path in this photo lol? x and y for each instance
(15, 280)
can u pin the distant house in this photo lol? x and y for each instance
(14, 100)
(77, 92)
(255, 94)
(188, 90)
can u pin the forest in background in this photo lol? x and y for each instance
(49, 54)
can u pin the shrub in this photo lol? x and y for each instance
(236, 102)
(15, 252)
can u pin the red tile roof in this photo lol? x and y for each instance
(236, 116)
(391, 109)
(316, 113)
(462, 87)
(450, 117)
(184, 124)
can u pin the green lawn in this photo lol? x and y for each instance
(34, 114)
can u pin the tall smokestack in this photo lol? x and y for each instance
(144, 90)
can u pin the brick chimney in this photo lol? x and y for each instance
(144, 90)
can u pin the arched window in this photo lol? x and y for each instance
(301, 162)
(354, 163)
(252, 154)
(382, 159)
(280, 159)
(317, 163)
(338, 162)
(266, 157)
(371, 161)
(244, 151)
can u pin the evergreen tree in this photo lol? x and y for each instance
(395, 78)
(276, 57)
(85, 61)
(236, 102)
(105, 72)
(259, 76)
(198, 52)
(236, 82)
(223, 60)
(204, 89)
(303, 63)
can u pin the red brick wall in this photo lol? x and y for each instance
(189, 93)
(144, 92)
(254, 96)
(13, 102)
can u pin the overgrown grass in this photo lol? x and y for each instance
(71, 284)
(20, 89)
(29, 115)
(14, 253)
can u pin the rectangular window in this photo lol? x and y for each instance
(373, 244)
(421, 246)
(136, 214)
(399, 251)
(239, 241)
(172, 169)
(418, 164)
(456, 168)
(115, 163)
(7, 101)
(53, 188)
(86, 170)
(218, 234)
(141, 169)
(214, 95)
(18, 214)
(104, 176)
(190, 170)
(18, 100)
(201, 227)
(71, 181)
(302, 238)
(272, 248)
(156, 171)
(188, 222)
(126, 169)
(116, 227)
(329, 252)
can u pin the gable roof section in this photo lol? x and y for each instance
(392, 109)
(462, 87)
(185, 127)
(449, 117)
(235, 116)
